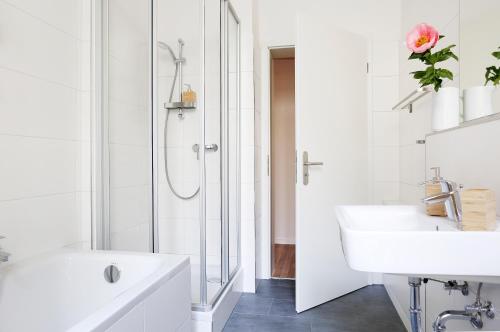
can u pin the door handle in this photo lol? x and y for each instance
(305, 166)
(314, 163)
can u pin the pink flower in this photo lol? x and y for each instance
(421, 38)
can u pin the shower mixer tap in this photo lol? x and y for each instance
(208, 147)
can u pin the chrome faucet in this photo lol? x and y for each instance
(4, 256)
(450, 195)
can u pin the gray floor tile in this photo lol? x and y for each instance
(262, 323)
(278, 291)
(283, 308)
(278, 283)
(272, 309)
(257, 305)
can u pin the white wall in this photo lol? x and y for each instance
(44, 125)
(244, 9)
(379, 21)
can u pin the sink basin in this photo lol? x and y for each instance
(404, 240)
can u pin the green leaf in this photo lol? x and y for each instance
(496, 55)
(445, 73)
(492, 75)
(414, 56)
(418, 74)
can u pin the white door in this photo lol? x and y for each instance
(332, 127)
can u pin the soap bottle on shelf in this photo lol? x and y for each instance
(433, 188)
(188, 95)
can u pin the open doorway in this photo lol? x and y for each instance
(282, 165)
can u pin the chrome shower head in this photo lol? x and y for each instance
(165, 46)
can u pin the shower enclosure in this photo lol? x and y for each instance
(166, 135)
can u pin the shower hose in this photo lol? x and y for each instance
(165, 145)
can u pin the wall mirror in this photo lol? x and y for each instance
(479, 37)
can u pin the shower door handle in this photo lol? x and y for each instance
(305, 167)
(211, 147)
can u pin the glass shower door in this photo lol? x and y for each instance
(126, 126)
(178, 70)
(213, 157)
(232, 187)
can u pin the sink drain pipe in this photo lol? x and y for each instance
(415, 309)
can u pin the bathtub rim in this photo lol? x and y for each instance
(106, 316)
(111, 312)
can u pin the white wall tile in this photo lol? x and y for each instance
(35, 225)
(170, 206)
(129, 207)
(129, 165)
(44, 125)
(62, 14)
(412, 164)
(36, 167)
(386, 192)
(172, 233)
(33, 107)
(128, 124)
(132, 239)
(32, 46)
(386, 164)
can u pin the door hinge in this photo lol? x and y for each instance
(367, 67)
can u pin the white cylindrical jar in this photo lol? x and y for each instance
(446, 108)
(478, 102)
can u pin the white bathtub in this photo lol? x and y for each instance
(67, 291)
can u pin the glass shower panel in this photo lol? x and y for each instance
(233, 141)
(179, 69)
(186, 177)
(213, 120)
(126, 125)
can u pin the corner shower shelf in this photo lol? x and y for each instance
(407, 102)
(179, 105)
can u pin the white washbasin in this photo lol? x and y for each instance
(404, 240)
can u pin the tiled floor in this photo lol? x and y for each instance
(272, 308)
